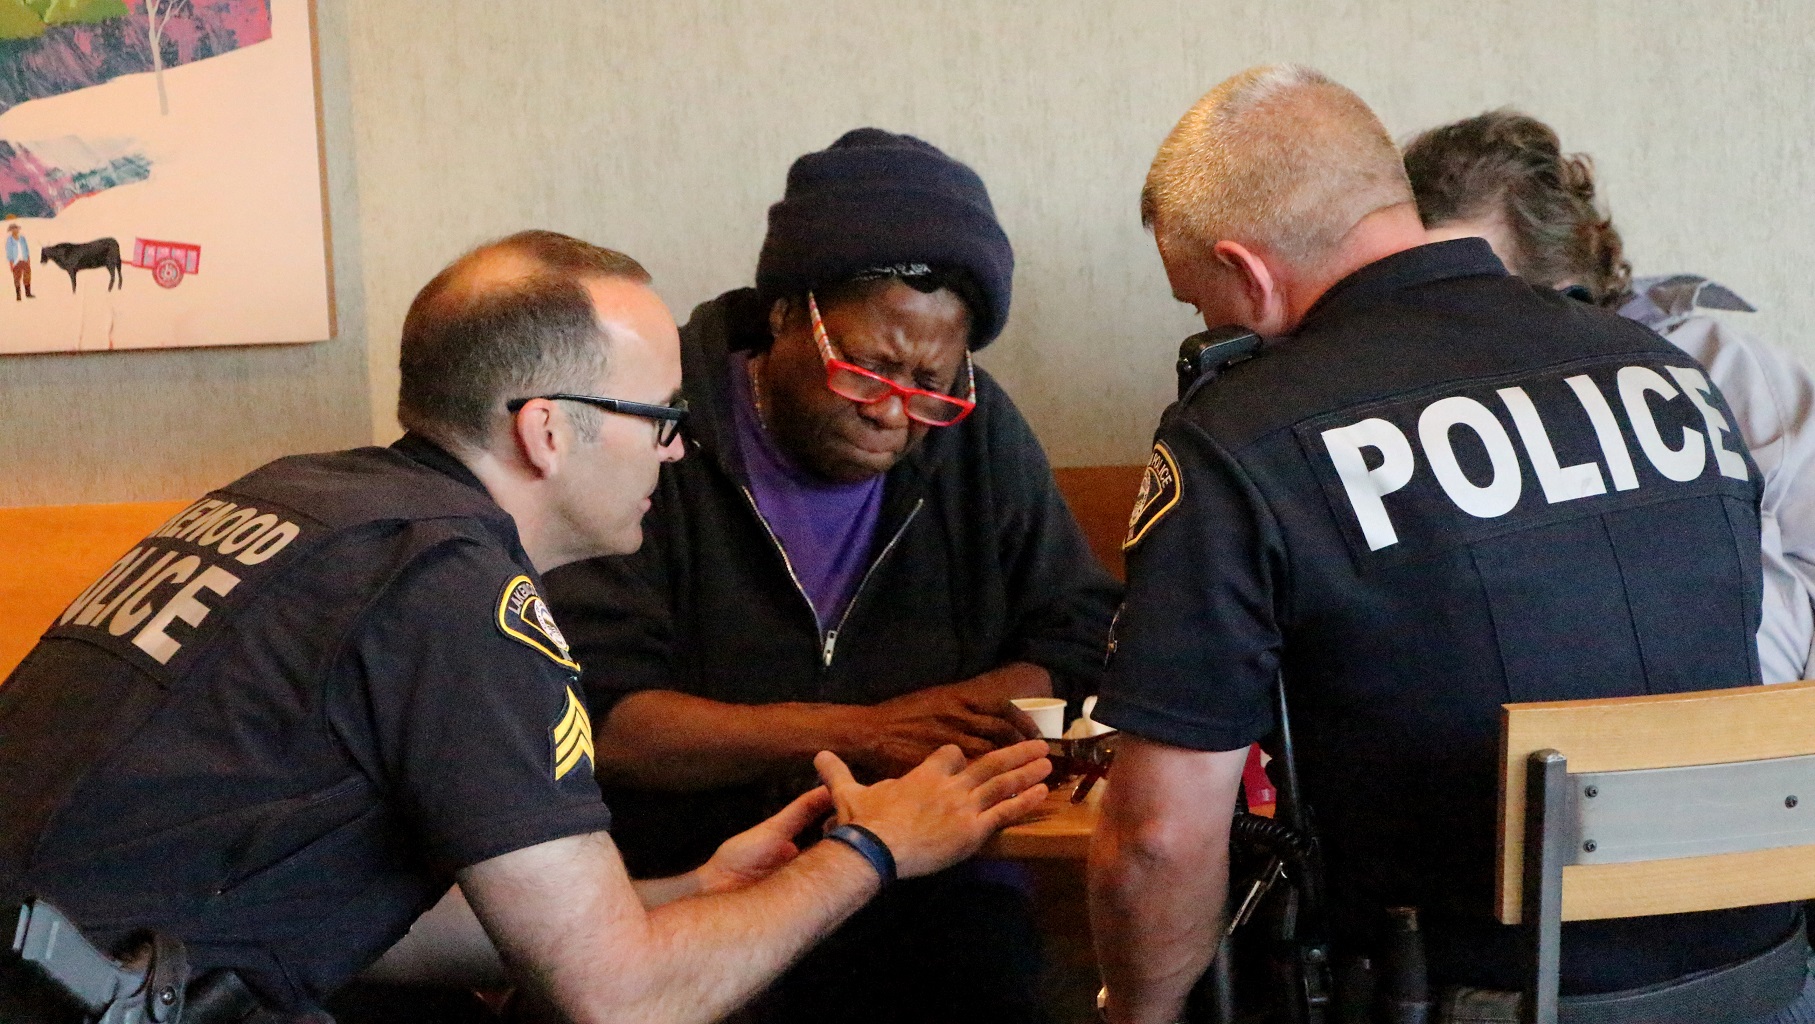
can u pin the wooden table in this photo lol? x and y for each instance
(1051, 847)
(1059, 830)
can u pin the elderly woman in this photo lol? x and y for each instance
(1503, 176)
(863, 552)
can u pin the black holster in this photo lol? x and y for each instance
(52, 974)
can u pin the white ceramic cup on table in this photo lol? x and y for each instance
(1048, 714)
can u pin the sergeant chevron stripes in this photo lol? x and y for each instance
(573, 737)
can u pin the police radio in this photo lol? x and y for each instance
(1284, 849)
(1208, 353)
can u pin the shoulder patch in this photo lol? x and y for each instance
(524, 616)
(572, 736)
(1159, 494)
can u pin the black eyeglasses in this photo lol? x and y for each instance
(668, 418)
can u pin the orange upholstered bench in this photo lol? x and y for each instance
(50, 553)
(1101, 497)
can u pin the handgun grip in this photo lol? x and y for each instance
(47, 939)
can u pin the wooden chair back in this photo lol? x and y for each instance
(1716, 727)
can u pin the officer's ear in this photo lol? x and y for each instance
(1261, 291)
(535, 430)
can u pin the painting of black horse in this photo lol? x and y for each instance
(74, 256)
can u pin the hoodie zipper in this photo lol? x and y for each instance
(828, 639)
(831, 640)
(783, 552)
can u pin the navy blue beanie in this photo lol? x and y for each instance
(876, 199)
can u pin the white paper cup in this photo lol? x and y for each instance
(1048, 714)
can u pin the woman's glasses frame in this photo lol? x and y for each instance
(866, 387)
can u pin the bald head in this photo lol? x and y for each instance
(516, 262)
(512, 318)
(1278, 158)
(492, 267)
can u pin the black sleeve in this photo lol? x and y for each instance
(1197, 642)
(1060, 598)
(484, 745)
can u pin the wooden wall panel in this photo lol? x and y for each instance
(1101, 499)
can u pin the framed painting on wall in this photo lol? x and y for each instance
(160, 175)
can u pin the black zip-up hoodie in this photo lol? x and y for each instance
(976, 562)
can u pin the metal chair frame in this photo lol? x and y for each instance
(1678, 803)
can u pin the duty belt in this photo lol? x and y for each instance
(1750, 990)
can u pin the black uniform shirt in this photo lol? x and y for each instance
(1445, 492)
(285, 752)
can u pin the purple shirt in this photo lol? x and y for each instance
(825, 528)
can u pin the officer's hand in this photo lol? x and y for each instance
(903, 732)
(943, 810)
(758, 853)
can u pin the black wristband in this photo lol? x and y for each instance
(870, 845)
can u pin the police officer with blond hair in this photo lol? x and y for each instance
(1435, 490)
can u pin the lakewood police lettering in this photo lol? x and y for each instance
(133, 595)
(1374, 458)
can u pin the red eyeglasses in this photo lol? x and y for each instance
(847, 380)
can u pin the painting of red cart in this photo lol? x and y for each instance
(167, 261)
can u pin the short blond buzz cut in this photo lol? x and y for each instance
(1279, 158)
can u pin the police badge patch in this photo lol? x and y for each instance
(524, 616)
(1159, 494)
(572, 737)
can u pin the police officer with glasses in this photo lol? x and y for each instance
(279, 728)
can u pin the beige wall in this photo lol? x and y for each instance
(665, 129)
(127, 426)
